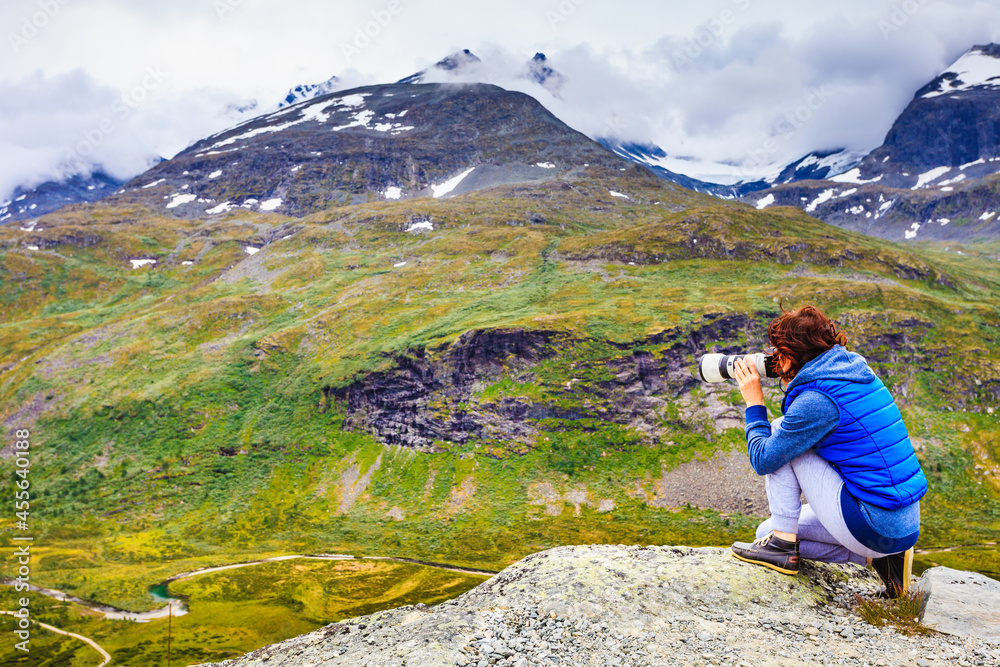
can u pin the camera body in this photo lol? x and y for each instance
(721, 367)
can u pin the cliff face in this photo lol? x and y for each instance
(617, 605)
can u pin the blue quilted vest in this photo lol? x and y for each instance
(870, 447)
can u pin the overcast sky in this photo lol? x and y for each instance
(116, 82)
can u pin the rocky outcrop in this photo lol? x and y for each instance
(435, 396)
(960, 603)
(432, 397)
(419, 401)
(617, 605)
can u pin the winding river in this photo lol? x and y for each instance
(177, 606)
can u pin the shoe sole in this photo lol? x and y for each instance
(907, 570)
(765, 564)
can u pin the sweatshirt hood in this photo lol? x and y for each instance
(835, 364)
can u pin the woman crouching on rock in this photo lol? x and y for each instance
(842, 444)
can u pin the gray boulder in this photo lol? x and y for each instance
(960, 603)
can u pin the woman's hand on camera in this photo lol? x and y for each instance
(749, 379)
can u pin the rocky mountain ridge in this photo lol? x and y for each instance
(815, 165)
(936, 174)
(642, 606)
(372, 143)
(34, 202)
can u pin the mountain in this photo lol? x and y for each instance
(816, 165)
(457, 62)
(309, 91)
(377, 142)
(935, 177)
(949, 132)
(819, 164)
(468, 378)
(651, 156)
(538, 70)
(28, 203)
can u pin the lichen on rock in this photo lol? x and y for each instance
(626, 605)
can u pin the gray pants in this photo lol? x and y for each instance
(820, 526)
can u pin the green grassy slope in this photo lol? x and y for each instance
(194, 414)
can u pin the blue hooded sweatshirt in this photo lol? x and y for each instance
(811, 416)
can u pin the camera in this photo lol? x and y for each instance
(720, 367)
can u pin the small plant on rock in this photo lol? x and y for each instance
(901, 613)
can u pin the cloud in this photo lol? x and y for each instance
(743, 93)
(719, 87)
(52, 127)
(41, 118)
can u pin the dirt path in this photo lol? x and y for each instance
(220, 568)
(94, 645)
(440, 566)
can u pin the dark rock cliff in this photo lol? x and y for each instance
(437, 397)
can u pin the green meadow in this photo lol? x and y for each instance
(193, 414)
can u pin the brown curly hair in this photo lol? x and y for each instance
(800, 336)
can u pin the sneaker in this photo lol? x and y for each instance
(892, 571)
(770, 551)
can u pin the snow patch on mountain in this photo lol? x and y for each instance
(224, 207)
(854, 176)
(764, 202)
(179, 199)
(824, 196)
(930, 176)
(976, 68)
(314, 112)
(310, 90)
(422, 226)
(449, 185)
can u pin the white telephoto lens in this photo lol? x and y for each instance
(721, 367)
(710, 368)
